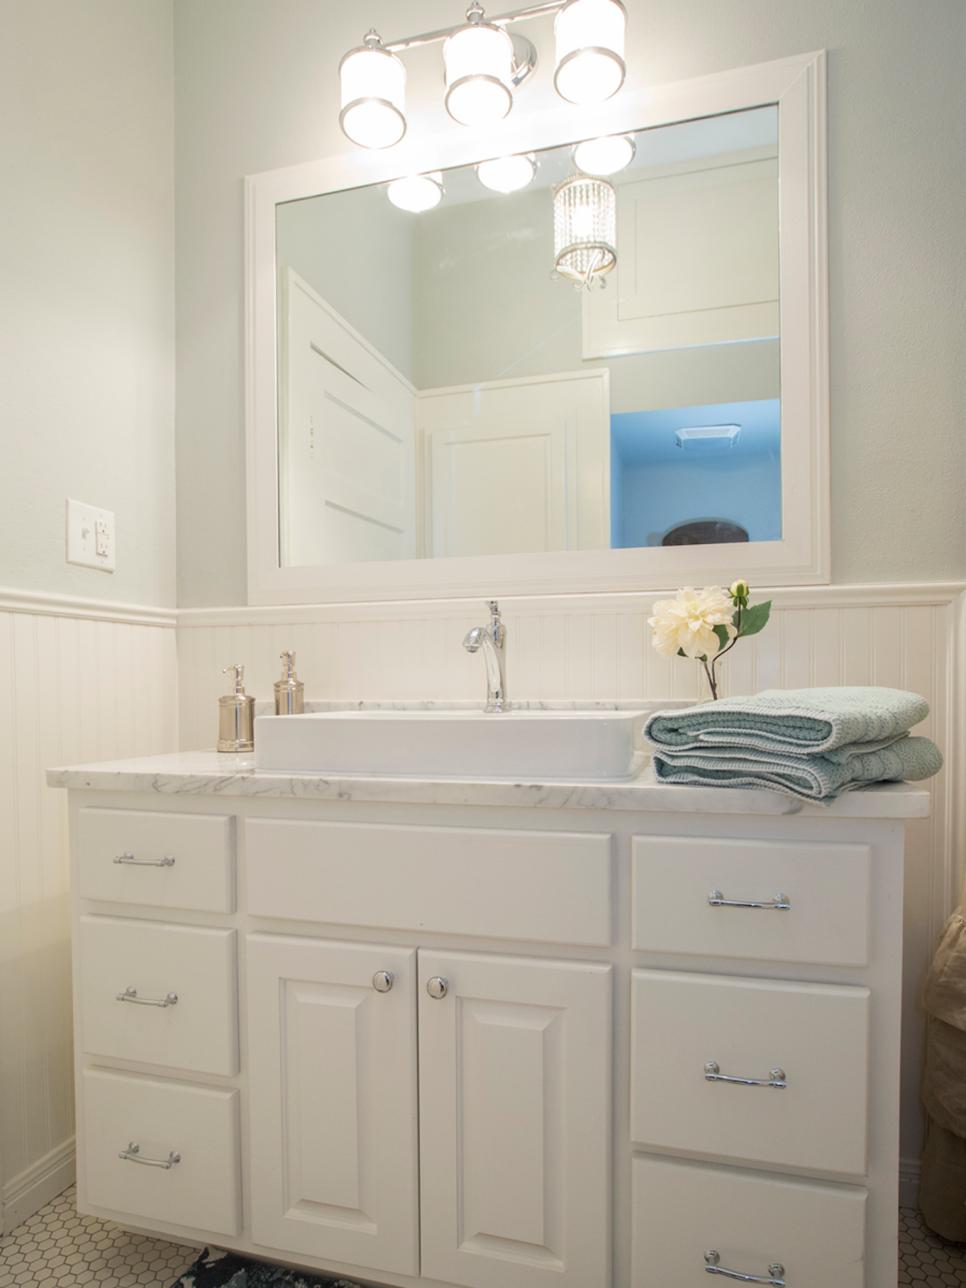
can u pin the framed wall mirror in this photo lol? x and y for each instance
(586, 355)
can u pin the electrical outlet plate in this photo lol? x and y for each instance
(90, 536)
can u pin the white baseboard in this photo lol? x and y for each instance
(909, 1182)
(27, 1192)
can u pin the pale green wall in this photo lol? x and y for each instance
(356, 250)
(87, 291)
(256, 88)
(488, 308)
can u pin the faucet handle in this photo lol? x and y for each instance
(494, 607)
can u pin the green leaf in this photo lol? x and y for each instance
(755, 619)
(722, 634)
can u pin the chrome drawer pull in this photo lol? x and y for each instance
(775, 1276)
(133, 1155)
(128, 859)
(383, 981)
(776, 1078)
(780, 903)
(131, 995)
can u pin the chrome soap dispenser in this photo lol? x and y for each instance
(236, 715)
(289, 690)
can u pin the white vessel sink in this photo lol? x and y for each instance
(519, 744)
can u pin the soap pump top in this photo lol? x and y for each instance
(236, 715)
(289, 690)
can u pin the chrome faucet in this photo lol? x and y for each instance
(492, 640)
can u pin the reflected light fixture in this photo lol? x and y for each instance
(478, 67)
(483, 63)
(417, 193)
(372, 82)
(589, 36)
(507, 174)
(584, 229)
(604, 156)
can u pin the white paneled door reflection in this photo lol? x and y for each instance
(346, 447)
(518, 466)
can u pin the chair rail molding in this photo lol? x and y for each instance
(46, 604)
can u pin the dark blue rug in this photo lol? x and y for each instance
(227, 1270)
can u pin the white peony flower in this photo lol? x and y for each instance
(686, 623)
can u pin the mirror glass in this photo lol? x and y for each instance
(586, 361)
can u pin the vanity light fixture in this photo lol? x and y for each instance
(372, 82)
(507, 174)
(478, 67)
(483, 63)
(589, 36)
(584, 229)
(417, 193)
(605, 156)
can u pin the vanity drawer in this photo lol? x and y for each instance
(683, 1211)
(548, 886)
(678, 880)
(160, 860)
(816, 1034)
(198, 1125)
(196, 966)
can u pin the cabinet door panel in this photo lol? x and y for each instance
(515, 1077)
(333, 1101)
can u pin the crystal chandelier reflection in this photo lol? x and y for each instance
(585, 230)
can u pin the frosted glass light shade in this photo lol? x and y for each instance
(604, 156)
(478, 65)
(584, 228)
(589, 37)
(507, 174)
(373, 90)
(417, 193)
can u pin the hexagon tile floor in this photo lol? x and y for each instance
(57, 1248)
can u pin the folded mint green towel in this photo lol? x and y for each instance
(815, 777)
(792, 721)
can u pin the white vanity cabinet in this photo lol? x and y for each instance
(620, 1037)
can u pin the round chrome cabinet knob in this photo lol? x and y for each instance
(437, 987)
(383, 981)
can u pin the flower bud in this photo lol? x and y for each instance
(739, 592)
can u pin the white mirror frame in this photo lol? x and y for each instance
(797, 86)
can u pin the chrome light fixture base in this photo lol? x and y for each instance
(599, 52)
(475, 78)
(524, 59)
(373, 102)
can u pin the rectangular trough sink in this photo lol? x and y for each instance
(531, 745)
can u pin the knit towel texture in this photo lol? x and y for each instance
(791, 721)
(810, 778)
(814, 744)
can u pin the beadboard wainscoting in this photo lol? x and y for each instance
(79, 681)
(596, 648)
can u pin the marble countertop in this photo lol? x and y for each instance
(209, 773)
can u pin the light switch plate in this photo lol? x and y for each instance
(90, 536)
